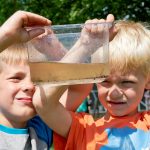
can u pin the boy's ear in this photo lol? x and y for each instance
(147, 86)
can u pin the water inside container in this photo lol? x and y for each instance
(70, 54)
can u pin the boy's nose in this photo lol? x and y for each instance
(115, 92)
(28, 86)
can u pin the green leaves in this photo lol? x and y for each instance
(78, 11)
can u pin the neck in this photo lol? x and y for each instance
(11, 123)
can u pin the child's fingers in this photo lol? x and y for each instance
(34, 33)
(113, 30)
(87, 25)
(48, 30)
(110, 18)
(101, 25)
(95, 25)
(30, 19)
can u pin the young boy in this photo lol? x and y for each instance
(20, 128)
(122, 127)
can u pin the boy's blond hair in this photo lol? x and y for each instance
(130, 49)
(15, 54)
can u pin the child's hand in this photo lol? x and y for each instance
(49, 45)
(93, 32)
(14, 31)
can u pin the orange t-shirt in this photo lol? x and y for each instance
(124, 133)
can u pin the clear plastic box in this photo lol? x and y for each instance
(70, 54)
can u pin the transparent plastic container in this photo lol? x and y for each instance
(70, 54)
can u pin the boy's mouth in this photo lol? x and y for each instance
(25, 99)
(116, 102)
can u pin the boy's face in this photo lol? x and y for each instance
(121, 94)
(16, 92)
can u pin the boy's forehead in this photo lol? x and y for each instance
(120, 75)
(14, 68)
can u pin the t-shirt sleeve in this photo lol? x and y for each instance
(42, 130)
(77, 135)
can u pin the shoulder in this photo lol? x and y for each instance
(41, 129)
(83, 118)
(146, 116)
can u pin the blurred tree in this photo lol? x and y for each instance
(77, 11)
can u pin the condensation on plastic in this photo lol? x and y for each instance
(70, 54)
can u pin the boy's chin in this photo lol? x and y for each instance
(121, 114)
(115, 114)
(27, 116)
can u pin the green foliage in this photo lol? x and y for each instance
(77, 11)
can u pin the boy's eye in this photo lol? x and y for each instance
(15, 79)
(127, 82)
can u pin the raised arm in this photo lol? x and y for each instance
(14, 29)
(74, 96)
(47, 104)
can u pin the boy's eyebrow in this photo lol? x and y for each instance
(17, 73)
